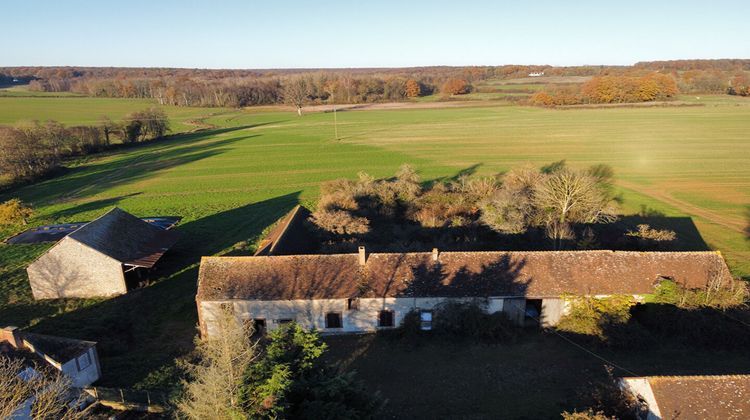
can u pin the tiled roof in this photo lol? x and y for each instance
(126, 238)
(454, 274)
(702, 397)
(289, 236)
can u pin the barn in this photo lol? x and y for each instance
(349, 293)
(99, 259)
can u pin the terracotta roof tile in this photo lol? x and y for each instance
(456, 274)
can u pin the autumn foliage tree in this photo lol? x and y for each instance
(413, 88)
(456, 87)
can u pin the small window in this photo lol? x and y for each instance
(83, 361)
(352, 304)
(385, 318)
(426, 320)
(333, 320)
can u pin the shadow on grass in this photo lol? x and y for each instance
(144, 160)
(146, 329)
(542, 373)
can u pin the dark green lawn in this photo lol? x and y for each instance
(537, 377)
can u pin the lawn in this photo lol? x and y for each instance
(538, 376)
(231, 181)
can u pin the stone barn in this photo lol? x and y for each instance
(100, 258)
(360, 292)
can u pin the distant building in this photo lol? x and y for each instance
(78, 360)
(536, 74)
(100, 258)
(692, 397)
(360, 292)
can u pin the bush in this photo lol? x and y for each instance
(719, 293)
(15, 211)
(461, 320)
(590, 316)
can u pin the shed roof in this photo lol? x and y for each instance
(126, 238)
(453, 274)
(289, 236)
(702, 397)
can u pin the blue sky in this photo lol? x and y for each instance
(328, 33)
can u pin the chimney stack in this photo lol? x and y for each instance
(362, 256)
(12, 335)
(435, 254)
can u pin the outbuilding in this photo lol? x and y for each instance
(100, 258)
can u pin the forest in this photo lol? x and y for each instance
(646, 81)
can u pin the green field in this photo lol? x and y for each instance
(230, 182)
(75, 110)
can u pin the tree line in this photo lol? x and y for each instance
(611, 89)
(35, 149)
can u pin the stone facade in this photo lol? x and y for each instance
(363, 314)
(71, 269)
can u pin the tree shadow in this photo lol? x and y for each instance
(747, 227)
(92, 206)
(148, 328)
(90, 179)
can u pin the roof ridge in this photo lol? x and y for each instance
(692, 377)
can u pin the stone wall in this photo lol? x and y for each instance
(312, 313)
(71, 269)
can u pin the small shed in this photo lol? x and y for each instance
(94, 260)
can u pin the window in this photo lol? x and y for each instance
(385, 318)
(426, 320)
(352, 304)
(284, 321)
(83, 361)
(333, 320)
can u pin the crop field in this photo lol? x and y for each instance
(231, 181)
(75, 110)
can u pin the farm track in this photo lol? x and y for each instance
(735, 224)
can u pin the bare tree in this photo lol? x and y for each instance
(567, 197)
(296, 92)
(48, 391)
(213, 389)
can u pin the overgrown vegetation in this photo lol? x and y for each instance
(50, 392)
(611, 89)
(555, 199)
(15, 211)
(590, 315)
(282, 376)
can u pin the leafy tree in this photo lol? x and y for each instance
(413, 89)
(456, 87)
(14, 211)
(291, 381)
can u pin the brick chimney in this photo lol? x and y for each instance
(12, 335)
(362, 256)
(435, 255)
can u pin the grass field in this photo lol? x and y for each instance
(230, 182)
(74, 110)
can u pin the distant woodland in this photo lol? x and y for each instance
(644, 81)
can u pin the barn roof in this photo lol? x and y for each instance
(701, 397)
(452, 274)
(289, 236)
(126, 238)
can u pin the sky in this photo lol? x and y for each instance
(254, 34)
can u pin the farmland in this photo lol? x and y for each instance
(231, 181)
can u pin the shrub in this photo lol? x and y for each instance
(14, 211)
(590, 315)
(720, 292)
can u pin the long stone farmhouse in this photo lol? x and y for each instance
(361, 292)
(97, 259)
